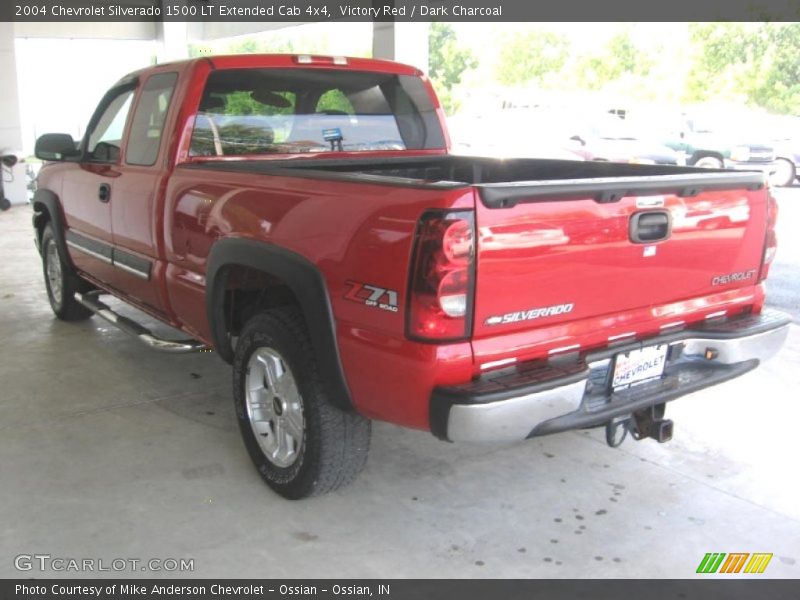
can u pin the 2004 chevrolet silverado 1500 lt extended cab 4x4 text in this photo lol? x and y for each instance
(303, 217)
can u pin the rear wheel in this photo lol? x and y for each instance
(61, 281)
(785, 173)
(301, 444)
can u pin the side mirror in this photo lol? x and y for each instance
(55, 146)
(8, 160)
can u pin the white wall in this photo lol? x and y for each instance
(10, 130)
(61, 80)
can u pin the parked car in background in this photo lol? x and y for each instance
(555, 133)
(706, 140)
(608, 137)
(784, 134)
(787, 162)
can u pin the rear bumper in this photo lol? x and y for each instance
(538, 399)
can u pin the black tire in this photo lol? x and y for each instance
(5, 203)
(62, 283)
(334, 443)
(786, 173)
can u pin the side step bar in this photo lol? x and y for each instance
(90, 300)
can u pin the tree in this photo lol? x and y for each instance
(755, 62)
(778, 88)
(447, 62)
(531, 56)
(619, 58)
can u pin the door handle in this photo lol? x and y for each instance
(104, 193)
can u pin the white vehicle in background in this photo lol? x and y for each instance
(784, 134)
(557, 133)
(512, 133)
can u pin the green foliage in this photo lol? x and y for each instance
(753, 62)
(335, 100)
(241, 103)
(447, 62)
(531, 56)
(618, 58)
(749, 63)
(779, 88)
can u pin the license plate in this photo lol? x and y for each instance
(637, 366)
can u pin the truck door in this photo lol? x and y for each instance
(136, 215)
(86, 191)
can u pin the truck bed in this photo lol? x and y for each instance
(558, 242)
(503, 182)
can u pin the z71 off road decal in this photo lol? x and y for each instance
(530, 315)
(372, 295)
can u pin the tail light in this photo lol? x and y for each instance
(770, 241)
(442, 283)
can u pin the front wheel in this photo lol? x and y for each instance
(61, 281)
(300, 442)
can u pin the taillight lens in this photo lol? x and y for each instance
(771, 240)
(442, 283)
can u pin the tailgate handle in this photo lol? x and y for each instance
(650, 226)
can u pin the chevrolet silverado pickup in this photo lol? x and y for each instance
(303, 217)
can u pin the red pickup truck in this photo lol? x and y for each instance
(302, 216)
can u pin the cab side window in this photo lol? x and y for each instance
(105, 138)
(148, 119)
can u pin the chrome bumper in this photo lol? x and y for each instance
(523, 402)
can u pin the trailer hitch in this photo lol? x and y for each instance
(650, 423)
(647, 423)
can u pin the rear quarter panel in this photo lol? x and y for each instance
(360, 233)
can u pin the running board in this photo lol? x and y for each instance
(131, 327)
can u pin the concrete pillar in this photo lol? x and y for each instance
(401, 41)
(10, 127)
(173, 41)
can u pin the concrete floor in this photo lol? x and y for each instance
(108, 450)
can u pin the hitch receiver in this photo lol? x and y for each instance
(650, 423)
(661, 430)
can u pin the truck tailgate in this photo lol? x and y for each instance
(569, 251)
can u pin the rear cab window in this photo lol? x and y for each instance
(290, 111)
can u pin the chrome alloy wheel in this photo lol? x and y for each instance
(274, 407)
(53, 271)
